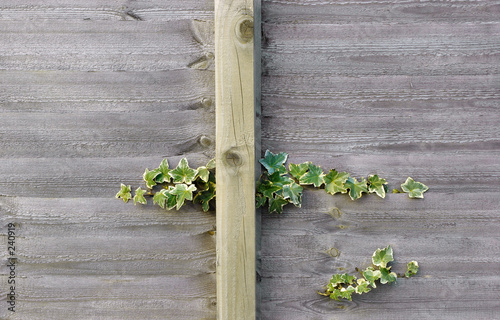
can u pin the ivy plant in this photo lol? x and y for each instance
(342, 286)
(170, 188)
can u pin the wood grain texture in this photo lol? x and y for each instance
(91, 94)
(397, 89)
(236, 158)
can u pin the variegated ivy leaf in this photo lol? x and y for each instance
(386, 276)
(356, 188)
(314, 176)
(277, 179)
(211, 164)
(346, 293)
(298, 170)
(205, 196)
(411, 269)
(260, 200)
(274, 162)
(139, 196)
(335, 294)
(334, 181)
(203, 173)
(381, 257)
(276, 204)
(164, 170)
(371, 276)
(377, 185)
(165, 199)
(341, 278)
(414, 189)
(293, 192)
(183, 173)
(183, 192)
(124, 193)
(362, 286)
(150, 177)
(268, 189)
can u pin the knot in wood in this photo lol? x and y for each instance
(244, 29)
(233, 159)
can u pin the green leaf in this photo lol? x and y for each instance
(203, 173)
(211, 164)
(356, 188)
(298, 170)
(260, 200)
(276, 204)
(335, 294)
(164, 170)
(279, 180)
(381, 257)
(205, 196)
(371, 276)
(314, 176)
(411, 269)
(293, 192)
(183, 192)
(139, 196)
(377, 185)
(362, 286)
(346, 293)
(183, 173)
(165, 199)
(334, 181)
(274, 162)
(124, 193)
(414, 189)
(386, 276)
(268, 189)
(150, 177)
(341, 278)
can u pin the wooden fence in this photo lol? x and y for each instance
(92, 93)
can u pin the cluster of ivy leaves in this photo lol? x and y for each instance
(279, 185)
(170, 188)
(342, 286)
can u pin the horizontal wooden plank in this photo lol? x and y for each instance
(105, 45)
(394, 11)
(106, 10)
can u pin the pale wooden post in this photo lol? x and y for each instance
(236, 99)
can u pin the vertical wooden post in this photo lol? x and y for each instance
(236, 100)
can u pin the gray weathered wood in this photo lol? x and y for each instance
(397, 89)
(90, 95)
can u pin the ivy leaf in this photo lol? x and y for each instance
(314, 176)
(346, 293)
(139, 196)
(377, 185)
(411, 269)
(334, 181)
(183, 192)
(260, 200)
(293, 192)
(335, 294)
(211, 164)
(371, 276)
(279, 180)
(164, 170)
(183, 173)
(381, 257)
(362, 286)
(274, 162)
(356, 188)
(276, 204)
(267, 188)
(203, 173)
(165, 199)
(386, 276)
(341, 278)
(150, 177)
(205, 196)
(298, 170)
(124, 193)
(414, 189)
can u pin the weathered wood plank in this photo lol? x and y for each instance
(105, 45)
(106, 10)
(236, 158)
(102, 252)
(396, 89)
